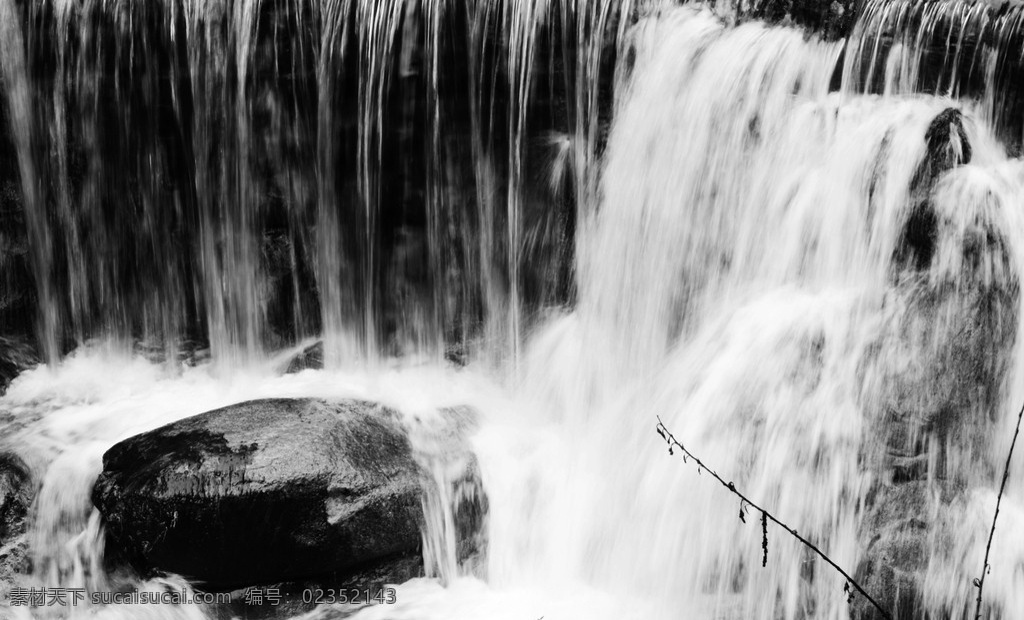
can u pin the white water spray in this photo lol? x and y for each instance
(752, 275)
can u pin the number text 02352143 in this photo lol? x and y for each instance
(351, 596)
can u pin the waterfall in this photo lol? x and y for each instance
(750, 278)
(249, 174)
(573, 218)
(952, 48)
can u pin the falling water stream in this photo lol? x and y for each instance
(816, 288)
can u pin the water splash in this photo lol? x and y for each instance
(753, 275)
(63, 419)
(818, 292)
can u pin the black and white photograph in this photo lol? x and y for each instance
(511, 310)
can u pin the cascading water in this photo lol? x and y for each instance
(817, 292)
(951, 48)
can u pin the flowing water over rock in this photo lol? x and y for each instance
(802, 255)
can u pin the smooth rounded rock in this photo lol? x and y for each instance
(263, 492)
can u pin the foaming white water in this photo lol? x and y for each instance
(63, 419)
(752, 276)
(745, 279)
(985, 246)
(959, 550)
(676, 147)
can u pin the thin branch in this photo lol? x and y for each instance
(766, 516)
(980, 583)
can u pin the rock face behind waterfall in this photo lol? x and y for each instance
(828, 19)
(900, 522)
(263, 492)
(938, 382)
(831, 19)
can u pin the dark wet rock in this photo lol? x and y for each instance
(947, 147)
(264, 492)
(917, 245)
(310, 357)
(830, 19)
(897, 531)
(17, 492)
(470, 512)
(16, 354)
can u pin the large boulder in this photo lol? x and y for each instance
(264, 492)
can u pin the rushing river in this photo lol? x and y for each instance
(803, 256)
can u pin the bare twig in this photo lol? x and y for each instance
(765, 517)
(980, 582)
